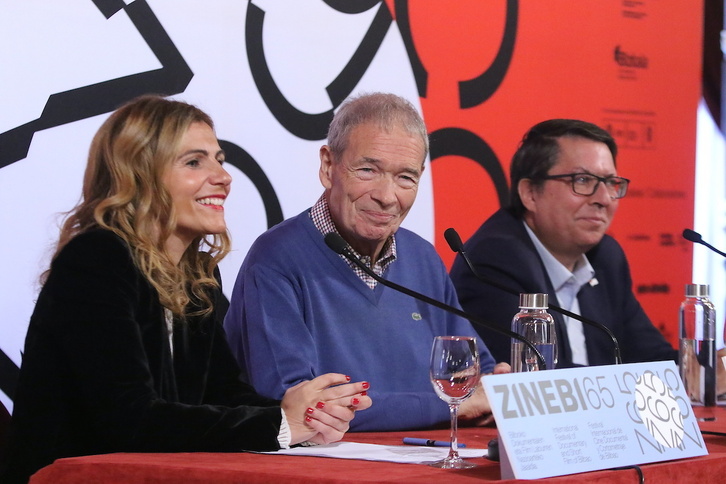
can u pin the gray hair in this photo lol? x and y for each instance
(385, 110)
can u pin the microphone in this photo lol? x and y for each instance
(455, 243)
(695, 237)
(340, 246)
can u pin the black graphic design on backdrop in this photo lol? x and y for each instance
(88, 101)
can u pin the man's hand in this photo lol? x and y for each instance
(476, 410)
(721, 371)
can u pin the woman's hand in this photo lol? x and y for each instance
(320, 410)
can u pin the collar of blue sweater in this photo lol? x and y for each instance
(320, 214)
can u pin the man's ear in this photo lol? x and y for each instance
(326, 167)
(527, 193)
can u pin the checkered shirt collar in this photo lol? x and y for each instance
(320, 214)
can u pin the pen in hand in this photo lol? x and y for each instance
(428, 442)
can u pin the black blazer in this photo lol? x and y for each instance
(502, 250)
(97, 374)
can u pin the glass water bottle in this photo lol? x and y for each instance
(534, 323)
(697, 350)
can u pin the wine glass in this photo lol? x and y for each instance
(454, 375)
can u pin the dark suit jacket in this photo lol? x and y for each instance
(97, 375)
(502, 250)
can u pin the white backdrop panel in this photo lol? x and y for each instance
(306, 45)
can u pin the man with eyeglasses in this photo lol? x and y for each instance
(551, 239)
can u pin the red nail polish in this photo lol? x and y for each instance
(366, 385)
(320, 405)
(363, 394)
(308, 418)
(355, 402)
(347, 377)
(310, 410)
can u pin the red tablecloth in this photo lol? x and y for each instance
(228, 468)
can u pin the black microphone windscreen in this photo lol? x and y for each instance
(453, 239)
(691, 235)
(336, 242)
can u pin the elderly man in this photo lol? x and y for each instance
(564, 194)
(298, 309)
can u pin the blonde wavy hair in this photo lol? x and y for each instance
(123, 193)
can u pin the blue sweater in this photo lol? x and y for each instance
(299, 311)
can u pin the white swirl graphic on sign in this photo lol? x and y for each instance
(659, 410)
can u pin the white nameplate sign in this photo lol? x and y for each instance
(558, 422)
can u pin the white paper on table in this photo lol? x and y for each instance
(405, 454)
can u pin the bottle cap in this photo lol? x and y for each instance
(696, 290)
(533, 301)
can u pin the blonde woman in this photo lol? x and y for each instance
(125, 351)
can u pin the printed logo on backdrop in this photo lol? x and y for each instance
(632, 129)
(629, 62)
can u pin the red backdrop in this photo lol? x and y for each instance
(630, 67)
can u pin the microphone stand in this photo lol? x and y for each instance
(340, 246)
(454, 241)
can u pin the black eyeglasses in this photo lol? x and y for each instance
(586, 183)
